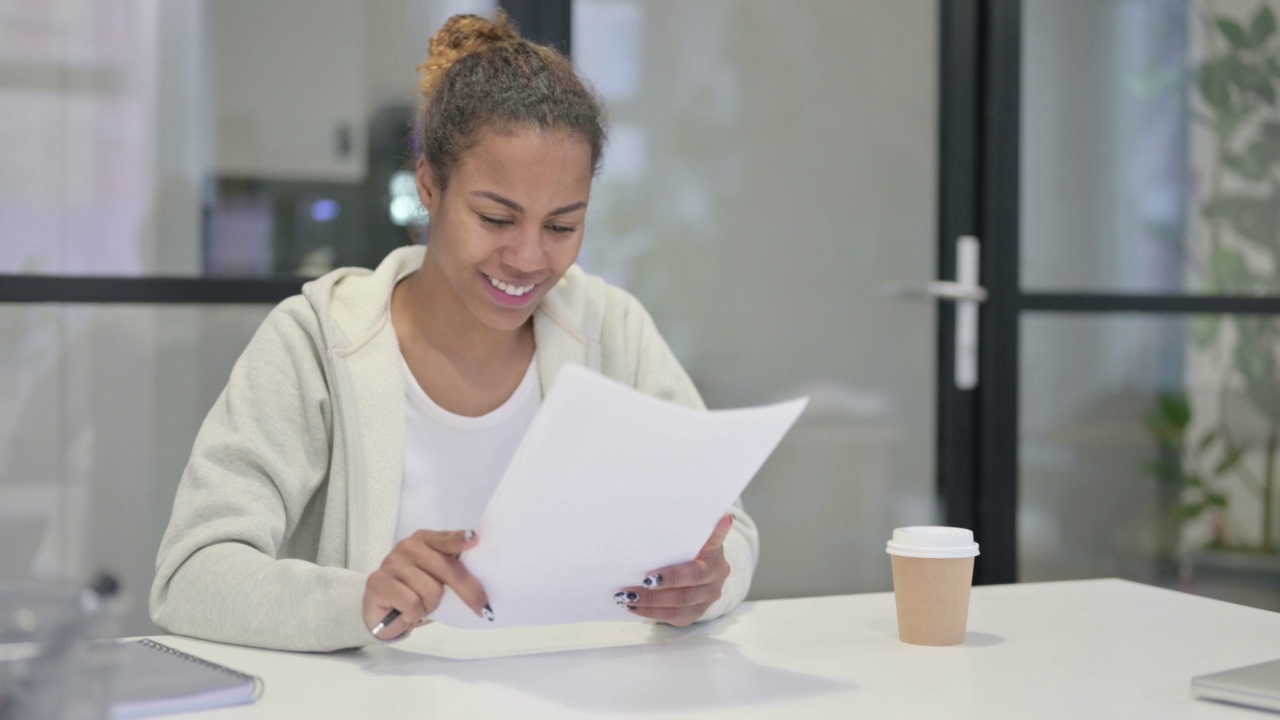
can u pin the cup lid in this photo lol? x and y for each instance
(932, 542)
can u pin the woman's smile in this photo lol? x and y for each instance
(509, 294)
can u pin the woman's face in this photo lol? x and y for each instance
(510, 222)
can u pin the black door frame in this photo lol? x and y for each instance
(979, 45)
(959, 159)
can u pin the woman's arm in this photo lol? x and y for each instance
(258, 462)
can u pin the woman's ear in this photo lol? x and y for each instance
(428, 189)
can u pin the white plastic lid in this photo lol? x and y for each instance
(932, 542)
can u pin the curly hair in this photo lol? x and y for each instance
(481, 74)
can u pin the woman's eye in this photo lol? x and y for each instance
(560, 229)
(498, 222)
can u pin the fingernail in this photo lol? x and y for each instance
(652, 581)
(468, 536)
(487, 612)
(631, 607)
(623, 598)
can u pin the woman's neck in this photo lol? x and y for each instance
(435, 315)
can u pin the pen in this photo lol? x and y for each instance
(390, 618)
(486, 612)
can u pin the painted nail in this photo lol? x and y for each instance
(631, 607)
(487, 612)
(623, 598)
(652, 581)
(468, 536)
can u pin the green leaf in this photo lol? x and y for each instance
(1253, 80)
(1273, 65)
(1215, 86)
(1190, 510)
(1230, 274)
(1235, 33)
(1263, 25)
(1204, 329)
(1253, 217)
(1175, 409)
(1215, 499)
(1231, 459)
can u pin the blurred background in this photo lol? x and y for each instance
(771, 168)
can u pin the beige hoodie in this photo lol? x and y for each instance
(291, 494)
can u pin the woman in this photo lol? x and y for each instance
(380, 408)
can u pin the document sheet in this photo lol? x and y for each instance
(608, 485)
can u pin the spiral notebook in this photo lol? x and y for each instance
(154, 679)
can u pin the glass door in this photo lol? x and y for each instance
(1133, 425)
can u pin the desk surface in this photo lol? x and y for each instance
(1081, 649)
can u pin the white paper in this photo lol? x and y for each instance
(608, 485)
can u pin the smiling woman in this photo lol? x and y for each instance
(330, 491)
(502, 235)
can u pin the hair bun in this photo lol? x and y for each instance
(462, 35)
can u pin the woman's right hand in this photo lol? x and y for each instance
(413, 577)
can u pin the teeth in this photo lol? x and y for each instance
(511, 290)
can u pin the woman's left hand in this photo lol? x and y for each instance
(680, 594)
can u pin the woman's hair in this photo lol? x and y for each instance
(481, 75)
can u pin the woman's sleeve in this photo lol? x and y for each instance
(657, 372)
(259, 460)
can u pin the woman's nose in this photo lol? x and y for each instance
(525, 253)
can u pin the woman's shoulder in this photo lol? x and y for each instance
(291, 330)
(346, 305)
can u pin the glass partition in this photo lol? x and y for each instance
(1148, 450)
(99, 407)
(1150, 146)
(771, 165)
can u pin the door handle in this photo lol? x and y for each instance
(966, 293)
(937, 290)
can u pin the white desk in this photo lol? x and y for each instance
(1084, 649)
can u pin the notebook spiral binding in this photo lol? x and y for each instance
(258, 685)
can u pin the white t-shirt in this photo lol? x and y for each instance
(452, 463)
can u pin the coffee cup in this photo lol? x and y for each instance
(932, 575)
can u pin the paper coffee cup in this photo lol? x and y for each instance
(932, 575)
